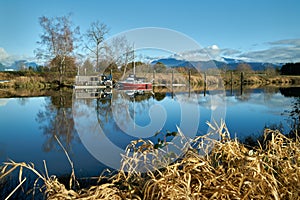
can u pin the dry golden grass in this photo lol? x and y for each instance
(228, 170)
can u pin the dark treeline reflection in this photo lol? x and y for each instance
(292, 117)
(56, 116)
(56, 119)
(103, 109)
(294, 111)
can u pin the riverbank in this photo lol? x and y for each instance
(230, 170)
(31, 80)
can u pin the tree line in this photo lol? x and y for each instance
(66, 52)
(290, 69)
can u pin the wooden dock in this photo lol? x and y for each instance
(91, 87)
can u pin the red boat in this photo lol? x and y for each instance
(134, 83)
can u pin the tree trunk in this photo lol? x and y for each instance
(125, 67)
(62, 70)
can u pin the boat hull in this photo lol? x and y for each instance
(135, 86)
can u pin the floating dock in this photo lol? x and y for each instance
(91, 86)
(93, 82)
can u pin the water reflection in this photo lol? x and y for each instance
(294, 117)
(56, 119)
(77, 120)
(131, 115)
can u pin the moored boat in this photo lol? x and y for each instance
(134, 83)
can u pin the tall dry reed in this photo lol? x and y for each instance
(227, 170)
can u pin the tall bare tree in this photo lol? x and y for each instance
(57, 42)
(120, 52)
(95, 37)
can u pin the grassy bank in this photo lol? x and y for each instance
(229, 170)
(34, 80)
(259, 79)
(31, 80)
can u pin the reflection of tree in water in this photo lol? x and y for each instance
(245, 96)
(23, 101)
(104, 112)
(125, 107)
(294, 117)
(294, 111)
(57, 119)
(143, 97)
(269, 92)
(159, 96)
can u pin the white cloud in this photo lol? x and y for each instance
(205, 54)
(8, 59)
(282, 51)
(291, 42)
(214, 47)
(230, 52)
(3, 54)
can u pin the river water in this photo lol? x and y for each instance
(95, 131)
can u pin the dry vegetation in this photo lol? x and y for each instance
(31, 80)
(229, 170)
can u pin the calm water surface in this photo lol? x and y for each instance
(95, 131)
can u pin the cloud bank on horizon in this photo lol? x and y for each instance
(281, 51)
(8, 59)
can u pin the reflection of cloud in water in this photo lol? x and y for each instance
(272, 101)
(3, 102)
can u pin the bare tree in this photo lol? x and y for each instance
(270, 70)
(57, 42)
(95, 37)
(244, 67)
(120, 52)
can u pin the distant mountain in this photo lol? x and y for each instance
(172, 62)
(231, 60)
(18, 65)
(230, 63)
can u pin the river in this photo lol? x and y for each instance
(95, 131)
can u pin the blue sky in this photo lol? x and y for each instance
(259, 30)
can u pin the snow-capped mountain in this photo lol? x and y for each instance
(229, 63)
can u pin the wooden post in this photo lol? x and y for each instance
(189, 83)
(189, 78)
(153, 77)
(242, 80)
(172, 76)
(231, 82)
(205, 83)
(172, 83)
